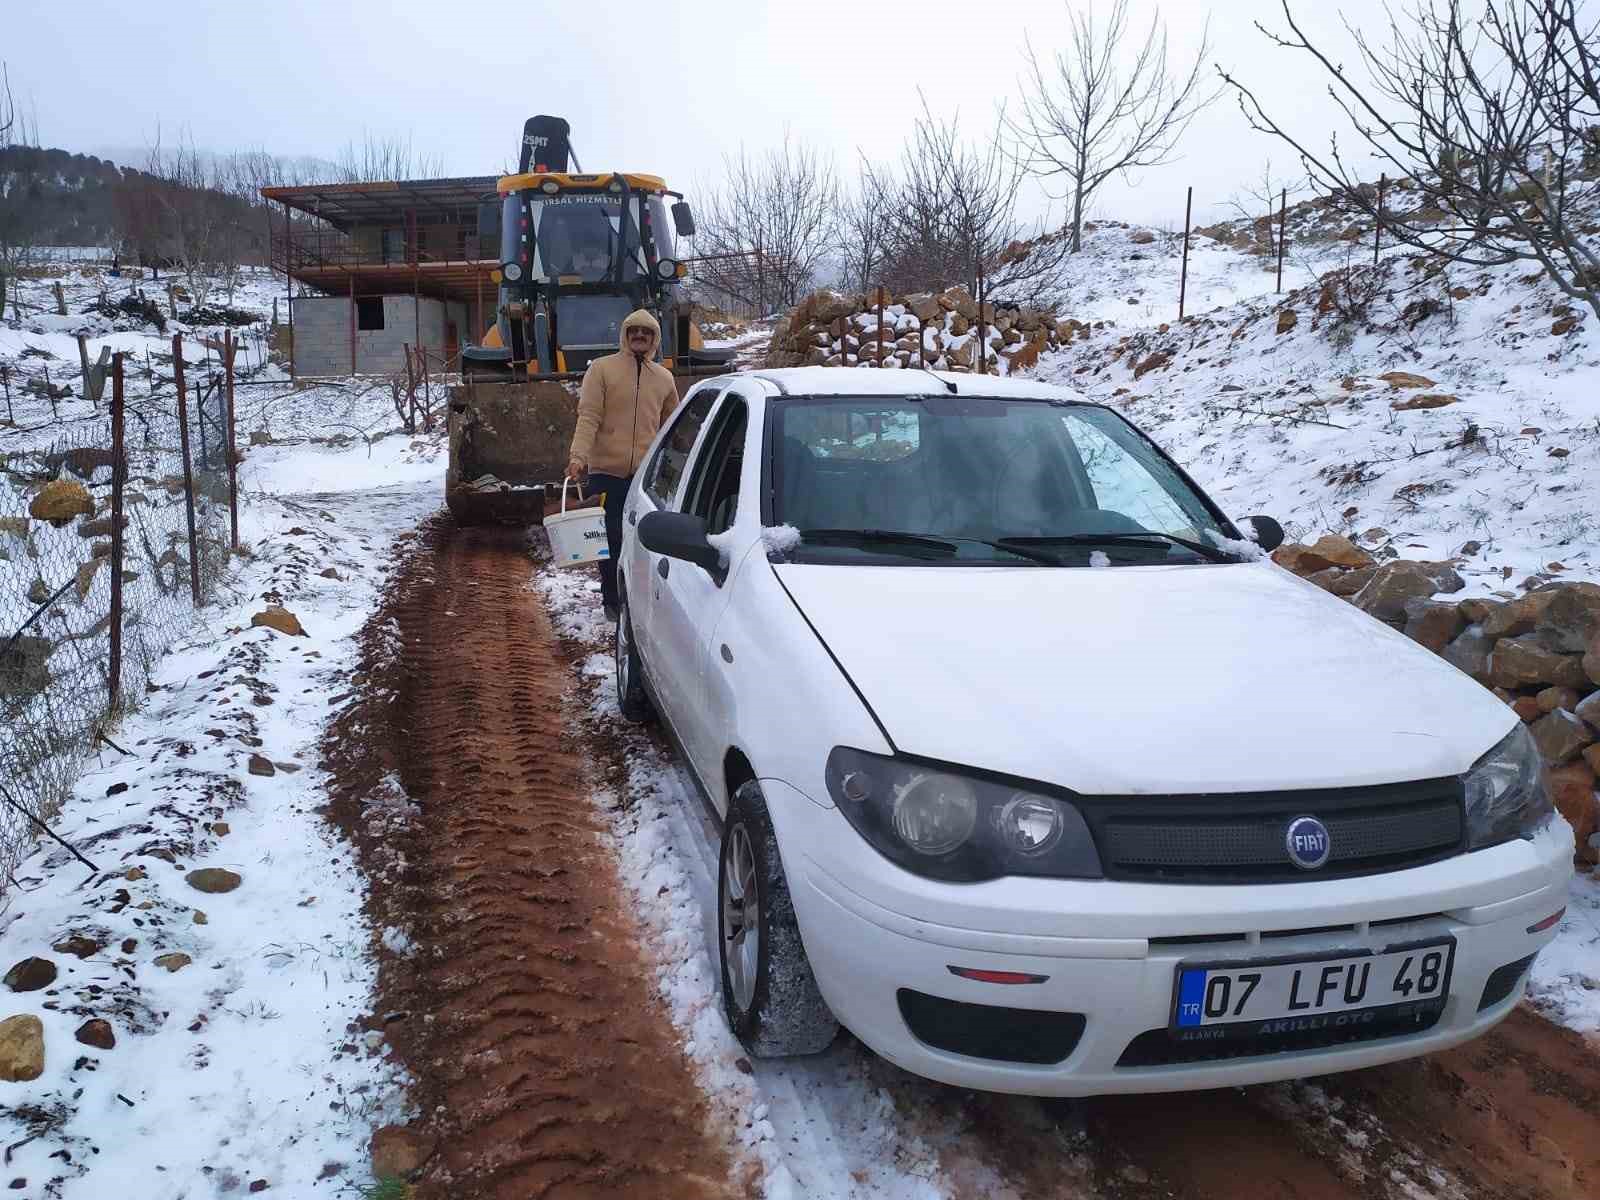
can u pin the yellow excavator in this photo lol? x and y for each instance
(578, 253)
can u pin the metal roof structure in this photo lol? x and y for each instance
(343, 205)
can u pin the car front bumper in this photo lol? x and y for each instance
(1110, 950)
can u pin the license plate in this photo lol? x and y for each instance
(1280, 995)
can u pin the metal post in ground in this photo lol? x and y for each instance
(411, 392)
(5, 382)
(188, 469)
(427, 396)
(233, 453)
(352, 324)
(1283, 231)
(119, 474)
(1183, 279)
(1377, 225)
(200, 418)
(880, 324)
(983, 341)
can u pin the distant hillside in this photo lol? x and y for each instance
(65, 199)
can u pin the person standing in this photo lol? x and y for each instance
(625, 398)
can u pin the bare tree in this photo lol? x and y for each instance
(384, 159)
(19, 230)
(862, 227)
(766, 230)
(1085, 119)
(951, 210)
(190, 220)
(1487, 118)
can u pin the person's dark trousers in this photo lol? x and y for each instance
(616, 489)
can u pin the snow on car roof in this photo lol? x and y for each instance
(837, 381)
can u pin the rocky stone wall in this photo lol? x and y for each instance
(1539, 652)
(939, 330)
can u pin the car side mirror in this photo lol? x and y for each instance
(681, 536)
(683, 219)
(1269, 534)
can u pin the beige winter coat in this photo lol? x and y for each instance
(622, 405)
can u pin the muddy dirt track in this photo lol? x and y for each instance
(549, 1069)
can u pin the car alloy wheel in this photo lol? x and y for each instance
(741, 918)
(769, 994)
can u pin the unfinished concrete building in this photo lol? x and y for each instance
(374, 268)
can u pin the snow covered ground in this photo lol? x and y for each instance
(229, 1028)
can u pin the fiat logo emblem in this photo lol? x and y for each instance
(1308, 843)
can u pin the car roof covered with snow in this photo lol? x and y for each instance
(838, 381)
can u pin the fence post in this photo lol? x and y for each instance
(427, 396)
(233, 453)
(983, 341)
(119, 473)
(5, 382)
(1183, 279)
(880, 324)
(1283, 231)
(188, 469)
(1377, 225)
(200, 419)
(411, 392)
(61, 298)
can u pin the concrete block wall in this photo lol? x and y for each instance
(322, 334)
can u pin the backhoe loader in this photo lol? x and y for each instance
(578, 252)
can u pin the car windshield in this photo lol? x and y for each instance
(967, 479)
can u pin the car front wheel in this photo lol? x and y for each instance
(768, 991)
(631, 696)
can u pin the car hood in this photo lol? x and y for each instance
(1158, 679)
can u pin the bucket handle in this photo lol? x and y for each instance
(564, 484)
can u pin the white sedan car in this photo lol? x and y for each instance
(1036, 775)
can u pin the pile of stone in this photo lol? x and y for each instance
(939, 330)
(1539, 652)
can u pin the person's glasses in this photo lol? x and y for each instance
(638, 331)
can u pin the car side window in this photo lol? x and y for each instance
(713, 491)
(666, 468)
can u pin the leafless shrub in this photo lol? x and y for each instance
(862, 227)
(1084, 120)
(1261, 202)
(1486, 117)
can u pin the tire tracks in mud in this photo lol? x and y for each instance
(544, 1064)
(1514, 1115)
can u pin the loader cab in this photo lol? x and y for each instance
(577, 254)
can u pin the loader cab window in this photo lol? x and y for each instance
(713, 491)
(583, 234)
(666, 468)
(661, 227)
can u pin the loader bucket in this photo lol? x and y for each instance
(508, 441)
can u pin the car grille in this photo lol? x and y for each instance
(1158, 1048)
(1239, 838)
(1503, 982)
(1021, 1035)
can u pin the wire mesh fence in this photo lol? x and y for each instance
(110, 536)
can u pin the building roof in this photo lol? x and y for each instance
(346, 204)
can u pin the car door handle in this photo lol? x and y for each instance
(633, 516)
(664, 567)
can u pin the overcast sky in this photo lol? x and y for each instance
(667, 87)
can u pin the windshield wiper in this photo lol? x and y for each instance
(870, 537)
(1209, 553)
(945, 546)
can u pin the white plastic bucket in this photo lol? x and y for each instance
(579, 536)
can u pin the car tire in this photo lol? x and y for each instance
(769, 993)
(632, 699)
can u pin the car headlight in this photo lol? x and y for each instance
(1505, 792)
(958, 827)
